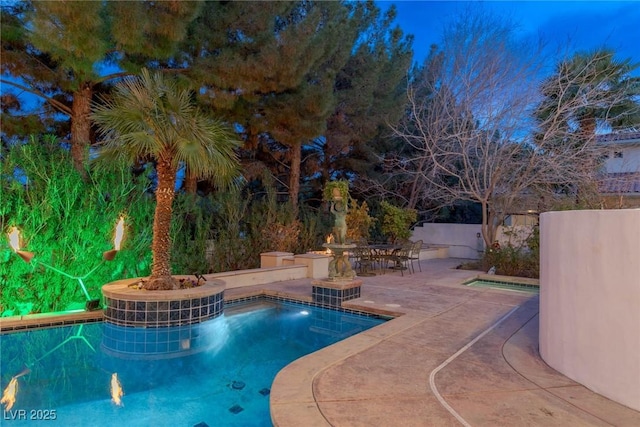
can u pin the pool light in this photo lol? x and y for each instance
(116, 390)
(10, 392)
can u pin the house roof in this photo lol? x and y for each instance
(624, 183)
(627, 137)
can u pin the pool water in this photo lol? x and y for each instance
(216, 373)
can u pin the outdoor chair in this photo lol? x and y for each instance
(415, 254)
(401, 258)
(362, 260)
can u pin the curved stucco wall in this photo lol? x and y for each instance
(590, 299)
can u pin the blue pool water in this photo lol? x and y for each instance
(217, 373)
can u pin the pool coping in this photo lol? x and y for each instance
(50, 320)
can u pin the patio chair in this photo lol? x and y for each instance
(415, 254)
(401, 258)
(363, 260)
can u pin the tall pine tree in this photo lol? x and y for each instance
(63, 51)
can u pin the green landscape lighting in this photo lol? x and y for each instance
(117, 241)
(91, 304)
(14, 241)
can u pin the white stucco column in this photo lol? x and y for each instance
(590, 299)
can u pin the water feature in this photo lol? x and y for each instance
(507, 286)
(215, 373)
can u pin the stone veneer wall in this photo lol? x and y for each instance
(590, 299)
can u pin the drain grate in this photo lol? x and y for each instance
(237, 385)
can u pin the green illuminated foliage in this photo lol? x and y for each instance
(67, 222)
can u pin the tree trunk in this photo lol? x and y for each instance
(294, 177)
(416, 185)
(81, 126)
(161, 245)
(488, 228)
(190, 182)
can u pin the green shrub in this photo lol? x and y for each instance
(68, 223)
(510, 260)
(358, 221)
(229, 230)
(396, 222)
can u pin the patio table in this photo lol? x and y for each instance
(385, 252)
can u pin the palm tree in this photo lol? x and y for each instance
(590, 89)
(586, 92)
(153, 117)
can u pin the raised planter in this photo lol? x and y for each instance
(127, 306)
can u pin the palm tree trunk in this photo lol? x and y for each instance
(190, 182)
(161, 245)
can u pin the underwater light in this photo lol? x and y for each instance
(9, 395)
(10, 392)
(304, 312)
(116, 390)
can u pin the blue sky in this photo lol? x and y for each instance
(577, 25)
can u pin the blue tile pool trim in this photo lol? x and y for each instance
(48, 324)
(51, 323)
(263, 297)
(150, 314)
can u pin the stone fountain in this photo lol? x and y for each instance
(339, 267)
(341, 284)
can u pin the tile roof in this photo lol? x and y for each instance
(627, 183)
(628, 137)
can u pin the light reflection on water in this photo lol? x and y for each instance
(218, 372)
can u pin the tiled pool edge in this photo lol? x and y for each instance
(50, 320)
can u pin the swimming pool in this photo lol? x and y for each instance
(216, 373)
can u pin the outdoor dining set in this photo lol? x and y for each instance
(369, 259)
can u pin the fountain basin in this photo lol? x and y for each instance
(129, 306)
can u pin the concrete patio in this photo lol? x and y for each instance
(455, 355)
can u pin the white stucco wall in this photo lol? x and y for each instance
(590, 299)
(629, 162)
(463, 240)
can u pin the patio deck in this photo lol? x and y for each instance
(456, 356)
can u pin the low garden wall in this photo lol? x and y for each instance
(464, 240)
(590, 299)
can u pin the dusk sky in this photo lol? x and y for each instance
(580, 25)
